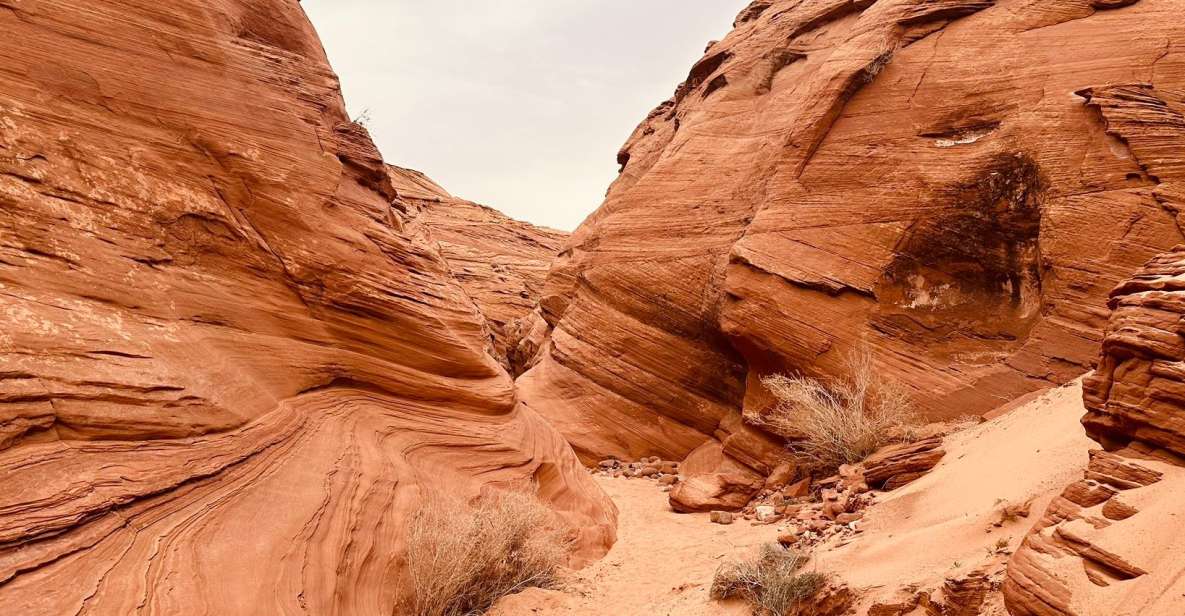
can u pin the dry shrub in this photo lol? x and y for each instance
(461, 558)
(771, 582)
(840, 421)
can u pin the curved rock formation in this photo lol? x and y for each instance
(1111, 543)
(231, 359)
(500, 262)
(930, 179)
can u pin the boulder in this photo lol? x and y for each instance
(718, 491)
(896, 465)
(964, 595)
(798, 489)
(782, 475)
(848, 518)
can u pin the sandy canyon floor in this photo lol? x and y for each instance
(913, 539)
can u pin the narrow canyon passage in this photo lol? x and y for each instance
(903, 279)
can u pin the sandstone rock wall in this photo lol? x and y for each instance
(501, 263)
(946, 183)
(232, 360)
(1111, 543)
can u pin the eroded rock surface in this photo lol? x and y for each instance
(950, 184)
(896, 465)
(1111, 542)
(500, 262)
(232, 360)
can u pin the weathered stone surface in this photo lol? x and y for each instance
(714, 491)
(1138, 391)
(896, 465)
(232, 360)
(964, 596)
(1080, 561)
(1111, 543)
(721, 517)
(943, 182)
(500, 262)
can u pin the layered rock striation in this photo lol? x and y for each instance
(232, 359)
(1111, 542)
(501, 263)
(952, 185)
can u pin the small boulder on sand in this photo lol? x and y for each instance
(798, 489)
(766, 513)
(717, 491)
(721, 517)
(848, 518)
(789, 537)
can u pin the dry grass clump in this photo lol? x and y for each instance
(461, 558)
(771, 582)
(839, 421)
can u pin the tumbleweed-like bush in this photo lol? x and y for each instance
(837, 421)
(462, 558)
(772, 582)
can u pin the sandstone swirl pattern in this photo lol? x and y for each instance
(231, 357)
(928, 178)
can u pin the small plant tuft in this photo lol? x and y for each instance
(840, 421)
(772, 582)
(1000, 547)
(462, 558)
(363, 119)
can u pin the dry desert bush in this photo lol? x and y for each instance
(462, 558)
(772, 582)
(841, 420)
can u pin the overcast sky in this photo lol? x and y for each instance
(518, 104)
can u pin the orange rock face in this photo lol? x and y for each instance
(500, 262)
(1111, 543)
(232, 360)
(943, 182)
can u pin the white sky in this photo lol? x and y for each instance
(517, 104)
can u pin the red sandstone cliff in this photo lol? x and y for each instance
(500, 262)
(937, 180)
(231, 358)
